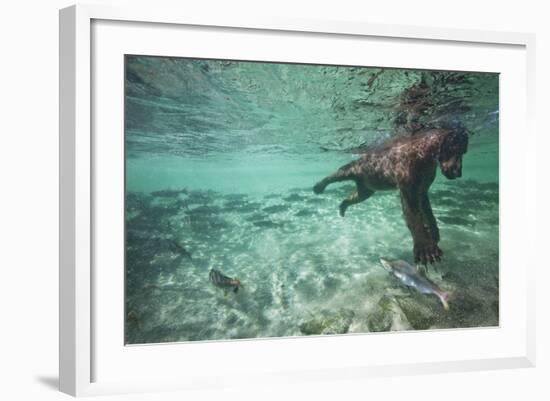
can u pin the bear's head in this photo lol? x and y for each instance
(454, 145)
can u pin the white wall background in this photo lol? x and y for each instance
(29, 186)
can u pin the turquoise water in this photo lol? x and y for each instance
(220, 160)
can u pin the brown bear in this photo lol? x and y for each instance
(407, 163)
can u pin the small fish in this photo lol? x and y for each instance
(170, 245)
(412, 277)
(222, 281)
(183, 252)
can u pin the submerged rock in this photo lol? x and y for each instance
(387, 316)
(294, 198)
(382, 317)
(328, 322)
(421, 313)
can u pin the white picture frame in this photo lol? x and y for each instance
(78, 368)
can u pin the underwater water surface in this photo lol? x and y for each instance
(221, 158)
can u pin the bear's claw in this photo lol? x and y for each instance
(427, 253)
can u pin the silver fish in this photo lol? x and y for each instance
(412, 277)
(222, 281)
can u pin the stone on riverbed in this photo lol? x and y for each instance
(328, 322)
(387, 316)
(420, 310)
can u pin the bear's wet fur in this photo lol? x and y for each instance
(407, 163)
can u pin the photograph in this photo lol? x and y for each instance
(266, 199)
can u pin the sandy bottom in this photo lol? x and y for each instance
(305, 270)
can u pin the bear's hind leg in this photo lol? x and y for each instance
(344, 173)
(361, 194)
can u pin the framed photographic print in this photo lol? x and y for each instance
(291, 199)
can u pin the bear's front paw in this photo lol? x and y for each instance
(343, 206)
(319, 188)
(427, 253)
